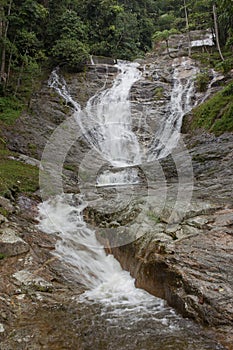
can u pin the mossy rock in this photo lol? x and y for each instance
(15, 176)
(215, 115)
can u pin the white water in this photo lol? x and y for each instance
(77, 246)
(107, 119)
(111, 303)
(215, 77)
(111, 310)
(168, 134)
(58, 83)
(122, 177)
(106, 123)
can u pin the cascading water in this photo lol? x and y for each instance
(99, 273)
(168, 134)
(145, 322)
(107, 119)
(58, 83)
(122, 177)
(112, 312)
(106, 124)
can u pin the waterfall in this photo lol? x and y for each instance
(216, 76)
(128, 176)
(106, 123)
(58, 83)
(109, 115)
(106, 120)
(168, 134)
(126, 313)
(100, 274)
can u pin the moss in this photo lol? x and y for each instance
(33, 149)
(153, 217)
(70, 167)
(207, 59)
(212, 59)
(202, 81)
(16, 176)
(216, 114)
(158, 93)
(10, 109)
(225, 123)
(4, 212)
(2, 256)
(225, 66)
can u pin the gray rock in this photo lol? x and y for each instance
(3, 219)
(29, 160)
(11, 244)
(6, 204)
(198, 221)
(2, 329)
(28, 279)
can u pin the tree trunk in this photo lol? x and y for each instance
(19, 80)
(168, 51)
(5, 25)
(1, 20)
(216, 31)
(187, 27)
(9, 64)
(3, 75)
(2, 36)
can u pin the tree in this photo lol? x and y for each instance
(225, 19)
(164, 36)
(70, 52)
(4, 25)
(187, 27)
(216, 31)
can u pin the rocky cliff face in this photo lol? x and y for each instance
(187, 261)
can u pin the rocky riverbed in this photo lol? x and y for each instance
(189, 262)
(186, 260)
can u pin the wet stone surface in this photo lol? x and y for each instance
(186, 260)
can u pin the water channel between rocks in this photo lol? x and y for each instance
(112, 313)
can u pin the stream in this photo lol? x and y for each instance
(111, 313)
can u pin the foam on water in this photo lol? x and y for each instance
(100, 274)
(120, 178)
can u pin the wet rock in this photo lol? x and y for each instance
(29, 160)
(28, 207)
(198, 221)
(193, 270)
(11, 244)
(2, 329)
(195, 278)
(6, 205)
(3, 219)
(223, 218)
(33, 281)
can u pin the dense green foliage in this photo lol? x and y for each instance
(15, 176)
(43, 33)
(216, 114)
(10, 109)
(65, 32)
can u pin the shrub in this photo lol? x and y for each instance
(202, 81)
(70, 52)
